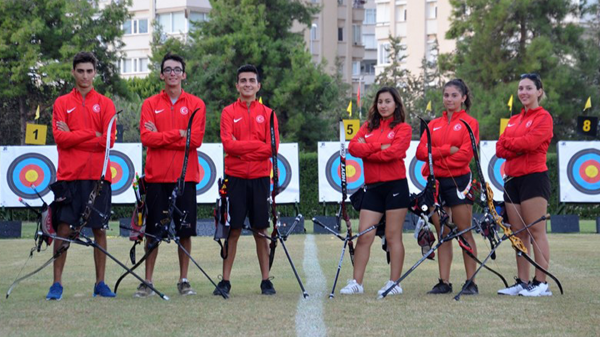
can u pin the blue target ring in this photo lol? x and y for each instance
(208, 173)
(31, 169)
(496, 172)
(122, 172)
(415, 171)
(285, 173)
(355, 177)
(578, 165)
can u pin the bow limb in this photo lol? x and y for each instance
(274, 214)
(488, 201)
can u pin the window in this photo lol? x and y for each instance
(127, 66)
(134, 65)
(173, 22)
(370, 16)
(197, 17)
(135, 26)
(432, 10)
(355, 68)
(401, 13)
(356, 36)
(340, 34)
(367, 67)
(383, 14)
(369, 41)
(431, 52)
(384, 57)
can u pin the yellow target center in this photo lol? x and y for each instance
(591, 171)
(31, 176)
(113, 172)
(350, 171)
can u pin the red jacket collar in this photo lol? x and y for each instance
(244, 105)
(166, 96)
(531, 111)
(78, 96)
(455, 115)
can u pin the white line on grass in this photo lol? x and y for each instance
(309, 313)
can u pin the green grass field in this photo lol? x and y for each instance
(575, 261)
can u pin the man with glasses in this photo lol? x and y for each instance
(163, 129)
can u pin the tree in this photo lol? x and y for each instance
(415, 90)
(307, 100)
(38, 39)
(499, 39)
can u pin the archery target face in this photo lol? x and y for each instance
(496, 172)
(208, 173)
(122, 172)
(492, 168)
(583, 171)
(354, 172)
(579, 171)
(415, 171)
(284, 171)
(31, 169)
(210, 167)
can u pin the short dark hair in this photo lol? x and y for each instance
(247, 68)
(173, 57)
(84, 57)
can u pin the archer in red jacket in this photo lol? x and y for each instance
(452, 152)
(246, 138)
(524, 144)
(80, 124)
(163, 128)
(382, 143)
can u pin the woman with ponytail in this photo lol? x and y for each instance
(452, 152)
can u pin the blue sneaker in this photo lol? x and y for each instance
(103, 290)
(55, 292)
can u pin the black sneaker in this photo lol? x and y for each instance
(471, 289)
(266, 286)
(441, 288)
(223, 287)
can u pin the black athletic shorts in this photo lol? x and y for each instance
(449, 192)
(519, 189)
(386, 196)
(70, 198)
(249, 197)
(157, 200)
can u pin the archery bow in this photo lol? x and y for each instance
(274, 214)
(89, 207)
(487, 199)
(344, 186)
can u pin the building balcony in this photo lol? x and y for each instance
(358, 15)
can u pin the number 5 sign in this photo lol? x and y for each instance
(587, 125)
(36, 134)
(351, 127)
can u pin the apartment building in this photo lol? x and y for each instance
(335, 35)
(175, 17)
(419, 23)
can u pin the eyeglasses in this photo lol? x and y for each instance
(531, 76)
(177, 71)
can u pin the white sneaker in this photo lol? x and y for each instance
(396, 290)
(514, 289)
(536, 290)
(352, 288)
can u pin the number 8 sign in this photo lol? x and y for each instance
(587, 125)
